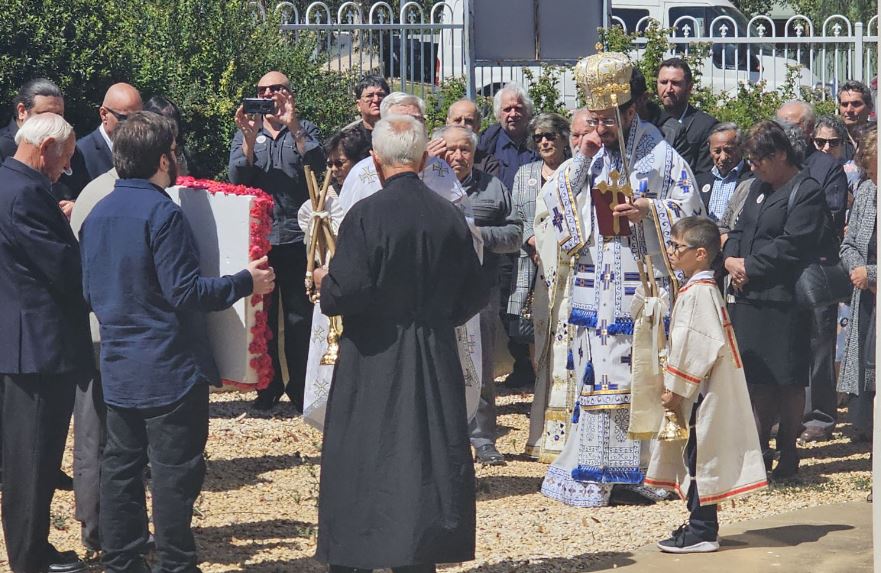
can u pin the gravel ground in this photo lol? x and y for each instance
(258, 513)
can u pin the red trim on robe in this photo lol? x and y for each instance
(734, 492)
(732, 341)
(683, 375)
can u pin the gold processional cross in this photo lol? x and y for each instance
(616, 189)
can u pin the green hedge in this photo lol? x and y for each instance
(204, 55)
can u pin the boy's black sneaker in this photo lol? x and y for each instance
(684, 541)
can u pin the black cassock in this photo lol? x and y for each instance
(397, 478)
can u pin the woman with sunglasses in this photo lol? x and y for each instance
(830, 136)
(765, 253)
(344, 150)
(548, 135)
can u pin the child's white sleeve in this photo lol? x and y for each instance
(696, 338)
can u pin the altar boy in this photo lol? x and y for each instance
(703, 379)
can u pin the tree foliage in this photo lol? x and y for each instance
(203, 55)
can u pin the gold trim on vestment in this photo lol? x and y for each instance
(558, 415)
(606, 407)
(603, 392)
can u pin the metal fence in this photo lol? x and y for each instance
(418, 48)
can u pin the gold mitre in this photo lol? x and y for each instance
(605, 79)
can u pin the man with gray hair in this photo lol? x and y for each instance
(501, 232)
(729, 169)
(465, 113)
(821, 403)
(45, 354)
(397, 480)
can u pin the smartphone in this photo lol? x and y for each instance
(257, 105)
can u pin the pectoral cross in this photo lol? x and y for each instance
(616, 189)
(558, 220)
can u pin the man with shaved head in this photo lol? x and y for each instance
(120, 101)
(821, 406)
(270, 152)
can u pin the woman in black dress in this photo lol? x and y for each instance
(764, 254)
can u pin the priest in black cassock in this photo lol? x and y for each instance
(397, 479)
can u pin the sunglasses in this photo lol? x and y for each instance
(274, 88)
(338, 163)
(120, 117)
(537, 137)
(821, 142)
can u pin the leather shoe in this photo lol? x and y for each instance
(815, 434)
(266, 400)
(65, 562)
(488, 455)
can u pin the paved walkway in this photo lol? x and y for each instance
(826, 539)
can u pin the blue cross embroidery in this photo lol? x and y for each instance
(603, 333)
(607, 277)
(580, 351)
(683, 182)
(627, 359)
(558, 220)
(604, 381)
(677, 210)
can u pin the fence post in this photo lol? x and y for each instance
(468, 49)
(858, 72)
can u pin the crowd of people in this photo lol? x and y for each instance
(637, 244)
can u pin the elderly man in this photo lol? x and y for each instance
(502, 233)
(369, 93)
(607, 235)
(270, 153)
(156, 364)
(729, 169)
(45, 349)
(821, 403)
(120, 101)
(397, 480)
(674, 85)
(506, 141)
(465, 113)
(855, 104)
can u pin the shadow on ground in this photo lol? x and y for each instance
(783, 536)
(238, 543)
(498, 487)
(579, 564)
(228, 475)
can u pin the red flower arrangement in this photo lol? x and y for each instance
(261, 225)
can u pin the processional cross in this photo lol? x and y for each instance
(616, 189)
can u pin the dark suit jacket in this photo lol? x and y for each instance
(833, 180)
(43, 317)
(776, 244)
(96, 154)
(697, 126)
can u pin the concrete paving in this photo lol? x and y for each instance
(825, 539)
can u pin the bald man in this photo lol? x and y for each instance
(120, 101)
(270, 152)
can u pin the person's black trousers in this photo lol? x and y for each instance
(289, 262)
(821, 400)
(703, 521)
(36, 416)
(407, 569)
(89, 437)
(173, 439)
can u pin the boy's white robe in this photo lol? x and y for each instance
(703, 359)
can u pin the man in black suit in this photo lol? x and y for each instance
(35, 97)
(674, 90)
(821, 405)
(45, 348)
(120, 101)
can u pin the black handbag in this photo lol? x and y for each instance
(824, 282)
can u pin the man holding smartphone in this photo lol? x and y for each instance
(269, 152)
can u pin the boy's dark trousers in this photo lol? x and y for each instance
(702, 521)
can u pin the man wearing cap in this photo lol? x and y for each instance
(588, 213)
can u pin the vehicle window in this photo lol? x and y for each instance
(630, 17)
(698, 13)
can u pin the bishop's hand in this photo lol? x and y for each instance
(590, 144)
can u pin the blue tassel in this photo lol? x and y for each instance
(583, 317)
(570, 361)
(667, 325)
(607, 475)
(587, 380)
(622, 325)
(576, 414)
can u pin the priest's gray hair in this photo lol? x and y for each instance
(38, 128)
(517, 90)
(399, 140)
(400, 98)
(797, 138)
(445, 130)
(808, 118)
